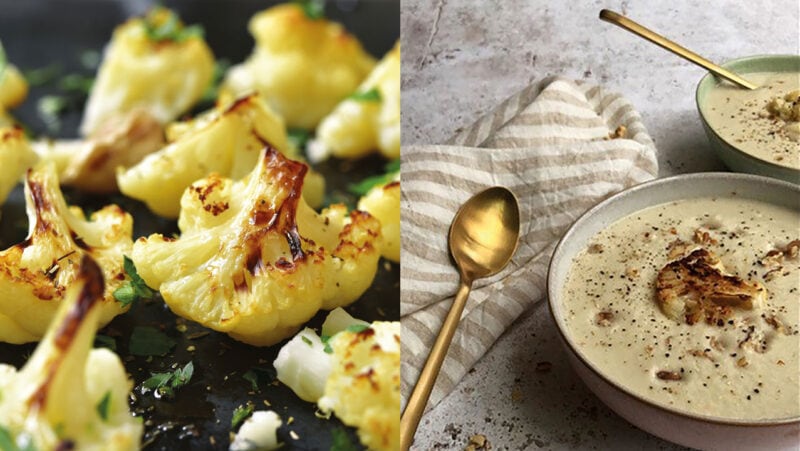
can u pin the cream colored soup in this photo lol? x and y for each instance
(745, 368)
(741, 117)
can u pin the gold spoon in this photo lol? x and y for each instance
(623, 22)
(483, 237)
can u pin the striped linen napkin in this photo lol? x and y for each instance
(561, 146)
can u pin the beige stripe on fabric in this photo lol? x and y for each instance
(548, 144)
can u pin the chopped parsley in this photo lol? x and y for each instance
(373, 95)
(7, 442)
(357, 328)
(340, 441)
(50, 109)
(326, 341)
(42, 75)
(298, 137)
(102, 406)
(104, 341)
(164, 384)
(134, 289)
(252, 377)
(307, 340)
(256, 375)
(361, 188)
(162, 24)
(240, 414)
(313, 9)
(148, 341)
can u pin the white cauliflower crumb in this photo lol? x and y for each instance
(258, 433)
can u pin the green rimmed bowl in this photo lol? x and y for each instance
(733, 157)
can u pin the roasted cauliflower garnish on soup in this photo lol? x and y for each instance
(367, 121)
(68, 395)
(36, 273)
(152, 62)
(226, 141)
(303, 66)
(254, 260)
(16, 156)
(383, 202)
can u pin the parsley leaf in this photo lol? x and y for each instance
(341, 441)
(102, 406)
(307, 340)
(134, 289)
(164, 384)
(373, 95)
(162, 24)
(42, 75)
(148, 341)
(362, 188)
(252, 377)
(357, 328)
(240, 413)
(313, 9)
(298, 137)
(6, 441)
(326, 341)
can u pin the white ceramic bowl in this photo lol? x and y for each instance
(677, 426)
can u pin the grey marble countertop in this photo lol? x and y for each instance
(460, 59)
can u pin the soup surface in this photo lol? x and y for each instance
(741, 361)
(750, 121)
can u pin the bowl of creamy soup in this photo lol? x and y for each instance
(755, 131)
(677, 301)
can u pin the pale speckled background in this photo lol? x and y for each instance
(463, 57)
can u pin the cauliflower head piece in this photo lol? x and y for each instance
(13, 87)
(383, 202)
(91, 164)
(363, 388)
(302, 66)
(152, 62)
(36, 273)
(254, 260)
(226, 141)
(68, 395)
(368, 120)
(16, 156)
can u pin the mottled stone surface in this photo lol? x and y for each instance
(460, 59)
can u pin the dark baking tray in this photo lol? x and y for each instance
(40, 33)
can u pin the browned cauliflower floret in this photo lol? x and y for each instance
(68, 395)
(225, 141)
(154, 63)
(16, 156)
(302, 66)
(695, 288)
(254, 260)
(383, 202)
(367, 121)
(35, 274)
(91, 164)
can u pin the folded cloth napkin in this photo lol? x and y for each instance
(561, 146)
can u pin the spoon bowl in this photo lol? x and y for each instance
(482, 239)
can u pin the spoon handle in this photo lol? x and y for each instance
(623, 22)
(422, 391)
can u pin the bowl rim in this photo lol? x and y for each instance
(551, 301)
(753, 159)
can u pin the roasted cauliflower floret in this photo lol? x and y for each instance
(35, 274)
(302, 66)
(695, 288)
(383, 202)
(68, 395)
(16, 157)
(254, 260)
(369, 120)
(363, 389)
(91, 164)
(13, 87)
(154, 63)
(225, 141)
